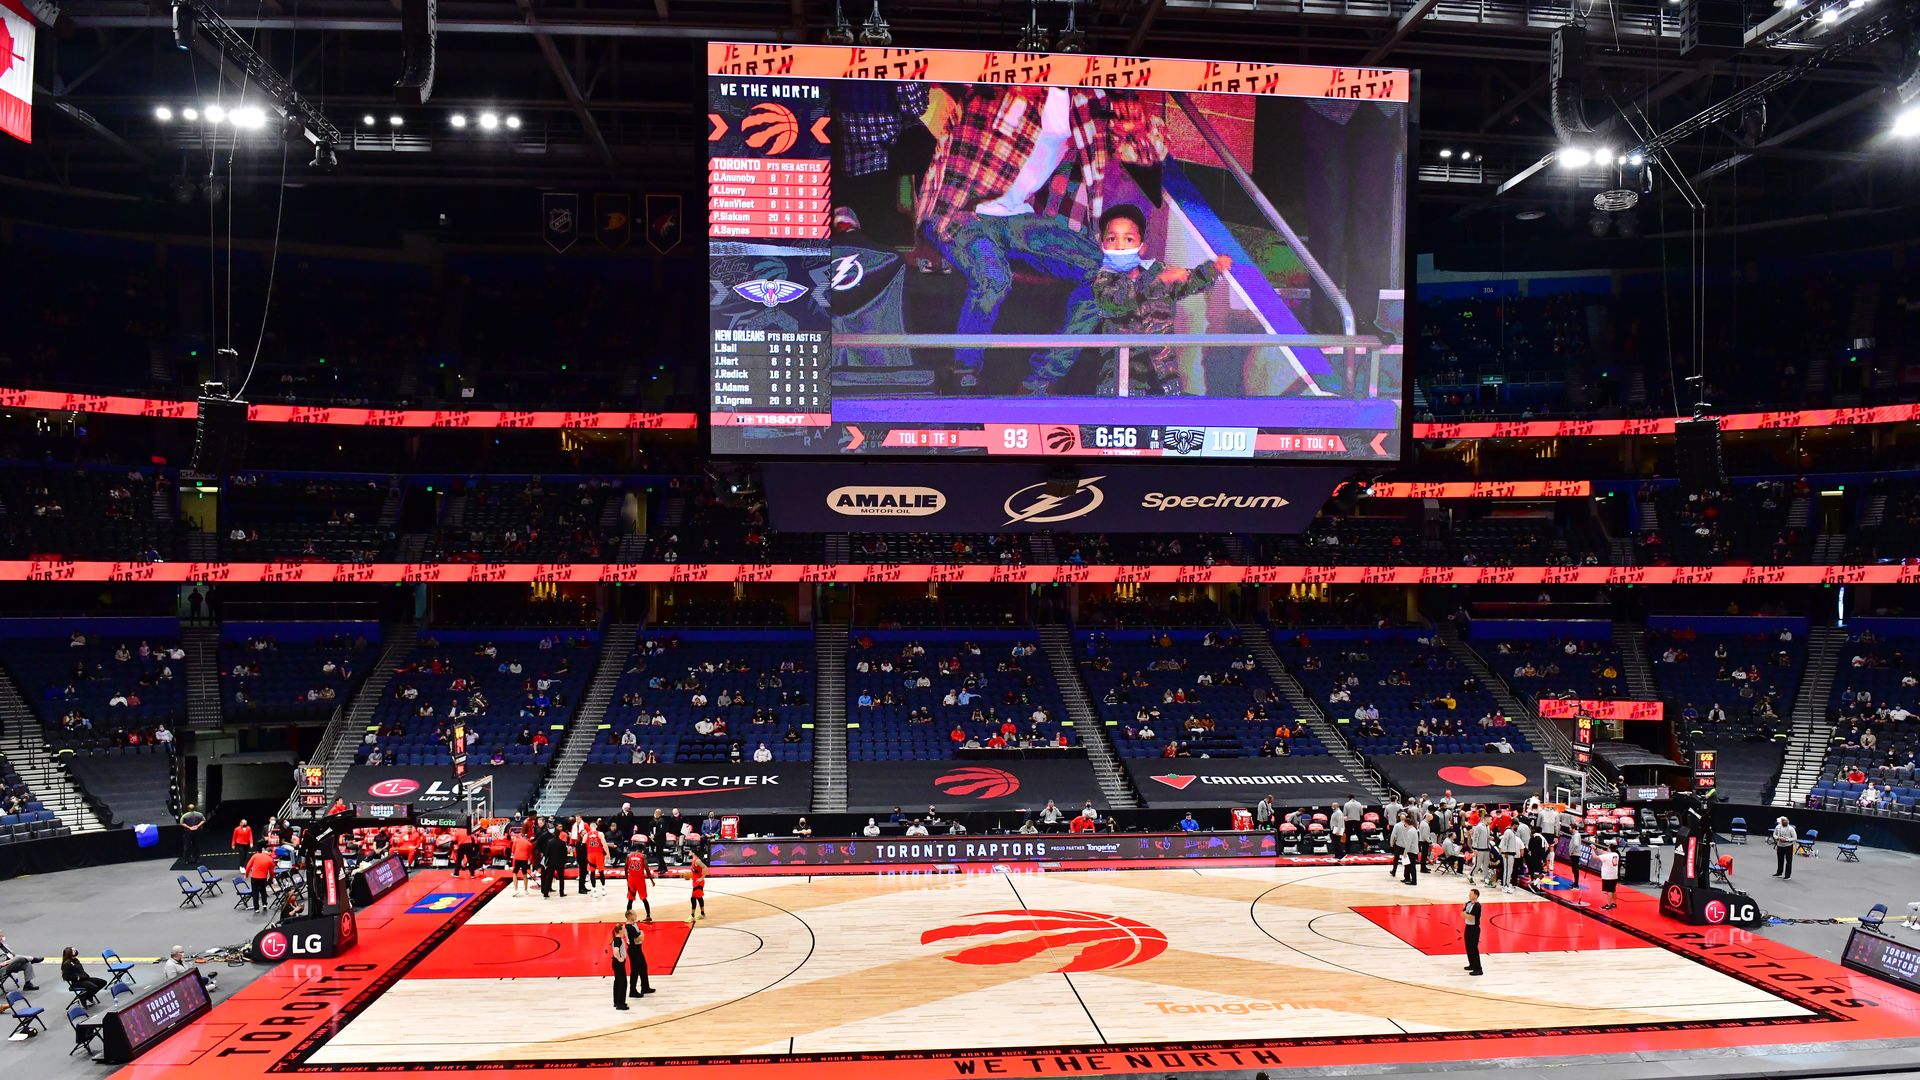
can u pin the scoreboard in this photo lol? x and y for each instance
(874, 289)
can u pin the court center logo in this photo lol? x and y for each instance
(1032, 504)
(1482, 776)
(1095, 940)
(397, 788)
(978, 781)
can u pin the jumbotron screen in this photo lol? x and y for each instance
(916, 252)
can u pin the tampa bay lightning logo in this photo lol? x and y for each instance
(1184, 440)
(771, 291)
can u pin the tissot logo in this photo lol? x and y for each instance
(1033, 505)
(886, 501)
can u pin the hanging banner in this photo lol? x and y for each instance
(559, 219)
(1567, 708)
(16, 70)
(613, 220)
(998, 497)
(664, 216)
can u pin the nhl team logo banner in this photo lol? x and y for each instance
(613, 220)
(559, 219)
(1000, 497)
(16, 70)
(664, 217)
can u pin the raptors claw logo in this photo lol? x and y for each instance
(1104, 941)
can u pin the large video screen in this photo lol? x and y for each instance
(915, 252)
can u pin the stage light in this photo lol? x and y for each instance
(513, 121)
(1598, 223)
(250, 116)
(163, 114)
(458, 120)
(489, 120)
(1466, 155)
(1574, 157)
(396, 120)
(1445, 154)
(1829, 16)
(840, 32)
(1636, 159)
(367, 120)
(1907, 124)
(215, 114)
(1603, 156)
(875, 32)
(189, 113)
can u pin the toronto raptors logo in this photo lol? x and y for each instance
(1092, 941)
(978, 781)
(394, 789)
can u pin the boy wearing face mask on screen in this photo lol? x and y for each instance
(1137, 295)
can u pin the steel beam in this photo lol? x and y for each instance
(568, 87)
(1415, 14)
(1800, 130)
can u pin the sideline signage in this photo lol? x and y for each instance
(601, 789)
(1068, 848)
(1292, 781)
(973, 784)
(1473, 778)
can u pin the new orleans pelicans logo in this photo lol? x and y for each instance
(1088, 940)
(771, 291)
(1184, 440)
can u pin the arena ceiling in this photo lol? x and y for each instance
(609, 92)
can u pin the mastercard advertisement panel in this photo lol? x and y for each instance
(989, 784)
(1489, 778)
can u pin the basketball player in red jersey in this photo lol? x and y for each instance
(697, 904)
(637, 878)
(596, 847)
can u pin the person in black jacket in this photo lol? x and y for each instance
(1470, 928)
(553, 863)
(84, 986)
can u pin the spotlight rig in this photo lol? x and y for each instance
(200, 29)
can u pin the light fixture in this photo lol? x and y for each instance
(513, 121)
(189, 113)
(1603, 156)
(216, 113)
(1829, 16)
(1636, 159)
(840, 32)
(1445, 154)
(367, 120)
(163, 114)
(1033, 36)
(249, 116)
(1466, 155)
(458, 119)
(1531, 213)
(396, 120)
(1907, 124)
(489, 120)
(1574, 157)
(1072, 38)
(875, 31)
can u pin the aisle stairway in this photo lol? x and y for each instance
(1812, 719)
(341, 740)
(829, 717)
(1308, 711)
(1631, 641)
(1547, 739)
(202, 644)
(1056, 640)
(616, 650)
(24, 743)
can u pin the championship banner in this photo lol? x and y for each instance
(559, 219)
(1052, 848)
(16, 70)
(458, 573)
(1299, 781)
(1480, 489)
(998, 497)
(1567, 709)
(875, 787)
(601, 789)
(426, 786)
(1473, 778)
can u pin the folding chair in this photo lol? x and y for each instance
(1809, 844)
(116, 991)
(25, 1014)
(1738, 830)
(210, 880)
(1876, 915)
(117, 969)
(1720, 871)
(242, 893)
(1850, 851)
(191, 892)
(85, 1030)
(82, 997)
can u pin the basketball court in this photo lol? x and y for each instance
(929, 973)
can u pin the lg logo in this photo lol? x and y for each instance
(307, 945)
(394, 789)
(274, 945)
